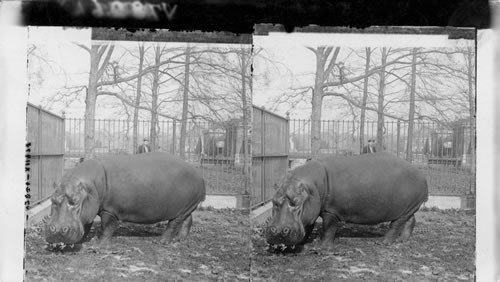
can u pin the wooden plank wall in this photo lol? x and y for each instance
(45, 131)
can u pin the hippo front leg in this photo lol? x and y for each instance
(109, 223)
(330, 225)
(86, 230)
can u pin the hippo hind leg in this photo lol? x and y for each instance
(395, 230)
(178, 228)
(186, 226)
(408, 229)
(175, 227)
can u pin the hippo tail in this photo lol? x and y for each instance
(204, 196)
(426, 191)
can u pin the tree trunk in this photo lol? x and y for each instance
(153, 134)
(363, 103)
(381, 93)
(472, 106)
(245, 105)
(411, 112)
(138, 98)
(316, 101)
(185, 97)
(90, 104)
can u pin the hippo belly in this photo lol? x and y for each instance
(151, 190)
(374, 188)
(374, 195)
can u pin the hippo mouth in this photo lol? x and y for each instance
(63, 234)
(285, 228)
(285, 237)
(63, 226)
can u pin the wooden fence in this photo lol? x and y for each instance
(45, 132)
(269, 153)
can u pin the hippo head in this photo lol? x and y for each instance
(73, 205)
(295, 206)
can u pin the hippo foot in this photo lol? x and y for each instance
(62, 247)
(169, 241)
(327, 245)
(389, 242)
(100, 244)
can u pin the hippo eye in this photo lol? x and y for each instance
(275, 202)
(72, 200)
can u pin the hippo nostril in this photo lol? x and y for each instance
(65, 229)
(52, 228)
(273, 230)
(285, 231)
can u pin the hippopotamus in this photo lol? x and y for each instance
(145, 188)
(363, 189)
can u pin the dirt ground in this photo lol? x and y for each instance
(442, 248)
(218, 248)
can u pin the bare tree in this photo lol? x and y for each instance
(97, 68)
(323, 70)
(153, 134)
(137, 102)
(411, 112)
(185, 97)
(381, 94)
(368, 52)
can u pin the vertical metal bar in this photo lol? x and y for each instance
(174, 129)
(63, 145)
(398, 138)
(113, 134)
(39, 157)
(263, 153)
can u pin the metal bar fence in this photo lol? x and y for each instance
(443, 153)
(214, 148)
